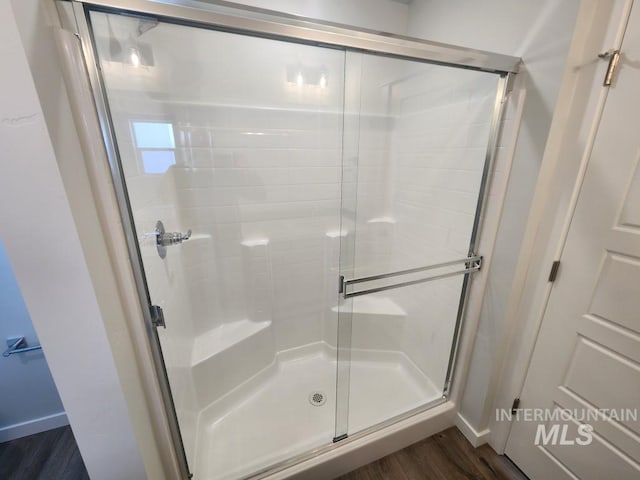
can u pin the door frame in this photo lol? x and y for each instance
(291, 28)
(582, 97)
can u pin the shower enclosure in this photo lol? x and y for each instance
(301, 203)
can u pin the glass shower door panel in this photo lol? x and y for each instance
(422, 136)
(236, 139)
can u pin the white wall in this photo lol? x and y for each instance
(540, 33)
(380, 15)
(66, 299)
(30, 401)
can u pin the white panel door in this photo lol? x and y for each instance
(588, 352)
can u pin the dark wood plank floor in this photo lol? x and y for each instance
(445, 456)
(54, 455)
(51, 455)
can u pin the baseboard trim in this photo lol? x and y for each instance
(475, 438)
(31, 427)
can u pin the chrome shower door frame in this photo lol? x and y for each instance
(225, 16)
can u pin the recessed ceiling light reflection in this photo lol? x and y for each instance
(134, 56)
(307, 76)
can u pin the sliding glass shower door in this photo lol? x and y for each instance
(418, 139)
(230, 148)
(302, 220)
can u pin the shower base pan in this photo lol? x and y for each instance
(236, 438)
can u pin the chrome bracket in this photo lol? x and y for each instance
(157, 316)
(475, 262)
(511, 80)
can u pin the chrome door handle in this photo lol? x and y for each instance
(166, 239)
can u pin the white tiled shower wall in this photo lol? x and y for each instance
(271, 181)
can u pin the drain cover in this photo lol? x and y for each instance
(317, 398)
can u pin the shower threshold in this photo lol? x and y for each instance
(236, 438)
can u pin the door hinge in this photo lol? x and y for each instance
(614, 61)
(555, 266)
(515, 405)
(157, 316)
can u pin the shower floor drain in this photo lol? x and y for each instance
(317, 399)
